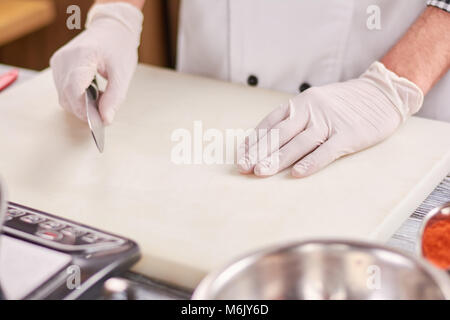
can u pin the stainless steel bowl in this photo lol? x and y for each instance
(326, 269)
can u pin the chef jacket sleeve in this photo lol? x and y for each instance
(443, 4)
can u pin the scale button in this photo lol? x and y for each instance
(73, 232)
(13, 212)
(52, 225)
(49, 235)
(90, 238)
(32, 219)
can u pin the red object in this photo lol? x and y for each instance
(8, 78)
(436, 243)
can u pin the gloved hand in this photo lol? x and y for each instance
(107, 46)
(325, 123)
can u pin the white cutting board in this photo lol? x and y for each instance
(190, 219)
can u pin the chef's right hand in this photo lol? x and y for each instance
(108, 46)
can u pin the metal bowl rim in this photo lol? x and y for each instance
(204, 290)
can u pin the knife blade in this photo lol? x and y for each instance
(93, 116)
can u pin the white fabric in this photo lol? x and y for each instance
(286, 43)
(108, 47)
(326, 123)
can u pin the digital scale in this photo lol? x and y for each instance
(43, 256)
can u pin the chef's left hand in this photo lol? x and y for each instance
(325, 123)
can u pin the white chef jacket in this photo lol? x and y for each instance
(288, 45)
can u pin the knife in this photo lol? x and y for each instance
(93, 115)
(8, 78)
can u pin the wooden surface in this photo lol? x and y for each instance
(173, 10)
(33, 51)
(190, 219)
(154, 40)
(20, 17)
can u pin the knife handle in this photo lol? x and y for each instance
(93, 89)
(8, 78)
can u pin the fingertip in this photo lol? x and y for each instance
(262, 170)
(301, 170)
(297, 173)
(109, 103)
(107, 109)
(244, 166)
(108, 116)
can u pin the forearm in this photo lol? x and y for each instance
(423, 54)
(137, 3)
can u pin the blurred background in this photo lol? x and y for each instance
(31, 30)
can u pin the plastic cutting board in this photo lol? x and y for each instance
(190, 219)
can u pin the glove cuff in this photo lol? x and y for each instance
(405, 95)
(126, 14)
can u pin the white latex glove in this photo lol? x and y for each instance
(325, 123)
(107, 46)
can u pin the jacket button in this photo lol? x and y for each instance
(304, 86)
(252, 80)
